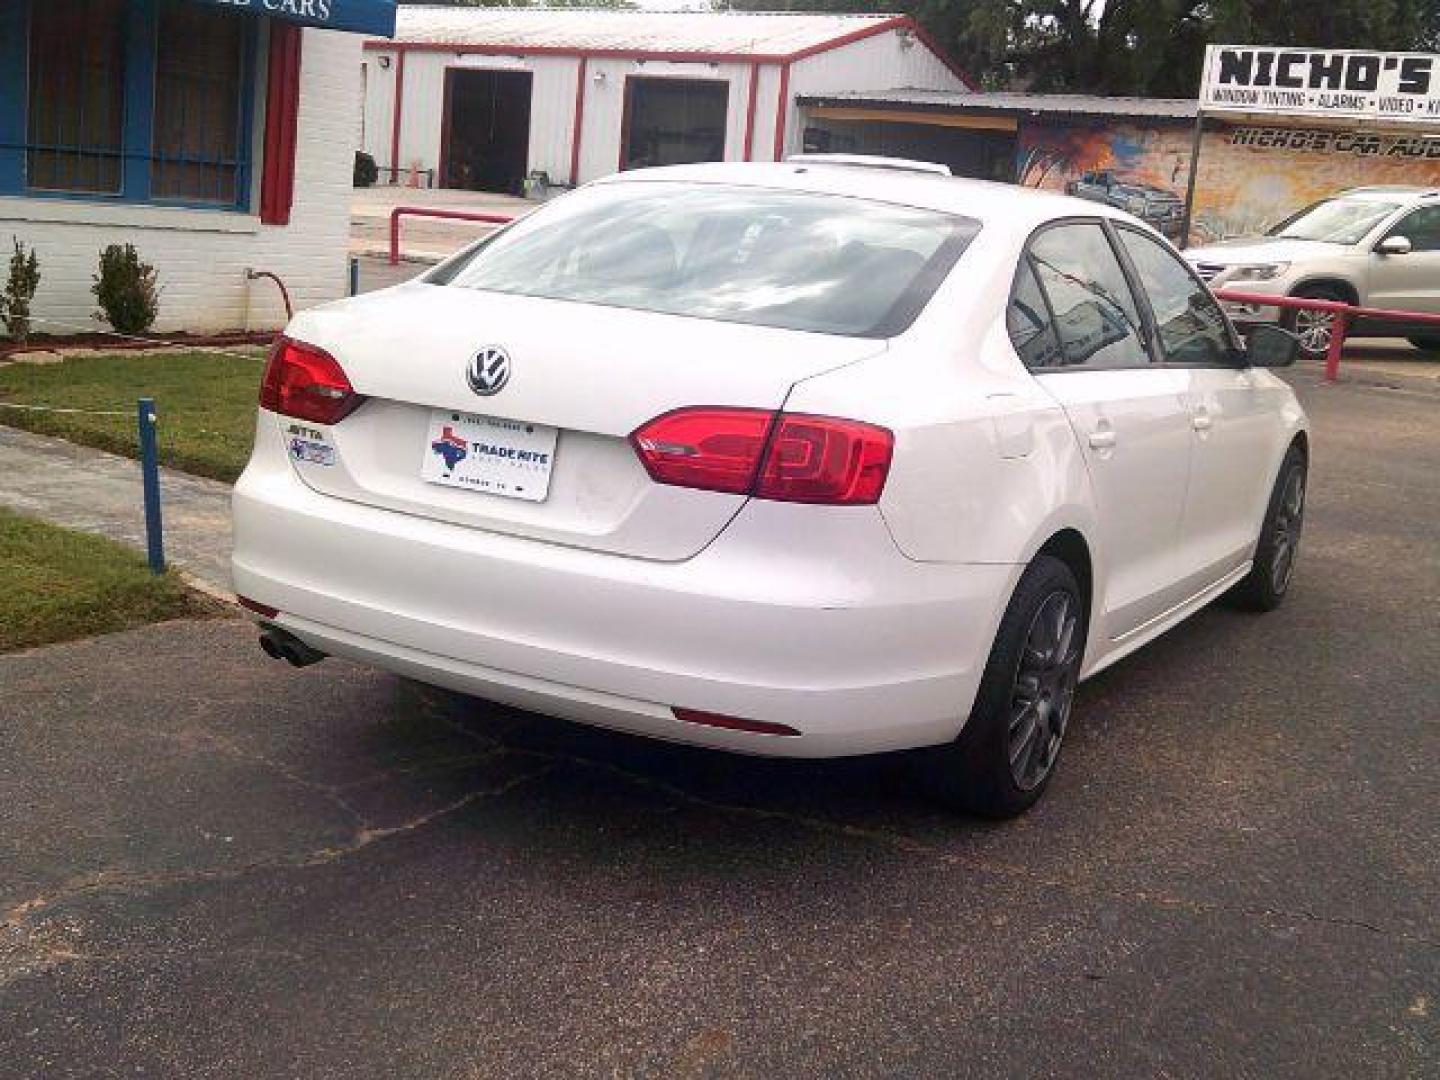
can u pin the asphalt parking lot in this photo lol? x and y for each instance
(213, 865)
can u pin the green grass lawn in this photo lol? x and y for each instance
(57, 585)
(205, 401)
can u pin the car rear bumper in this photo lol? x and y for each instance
(808, 617)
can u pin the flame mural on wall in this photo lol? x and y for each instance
(1052, 157)
(1247, 182)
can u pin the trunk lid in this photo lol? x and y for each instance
(593, 373)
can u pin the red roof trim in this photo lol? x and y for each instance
(479, 49)
(898, 22)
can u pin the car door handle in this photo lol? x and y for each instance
(1103, 439)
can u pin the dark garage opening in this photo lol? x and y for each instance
(673, 121)
(978, 153)
(486, 133)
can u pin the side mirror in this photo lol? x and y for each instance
(1394, 245)
(1271, 347)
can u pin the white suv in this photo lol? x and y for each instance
(1372, 246)
(804, 459)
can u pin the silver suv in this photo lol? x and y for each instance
(1372, 246)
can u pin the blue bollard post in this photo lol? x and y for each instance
(150, 476)
(354, 276)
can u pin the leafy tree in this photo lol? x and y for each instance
(1141, 47)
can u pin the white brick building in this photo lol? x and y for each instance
(481, 97)
(215, 135)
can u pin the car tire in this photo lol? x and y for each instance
(995, 769)
(1265, 587)
(1426, 342)
(1313, 328)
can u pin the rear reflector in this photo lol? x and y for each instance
(732, 723)
(786, 457)
(306, 383)
(265, 611)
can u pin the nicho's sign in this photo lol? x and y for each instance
(1321, 82)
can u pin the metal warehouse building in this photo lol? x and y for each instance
(479, 98)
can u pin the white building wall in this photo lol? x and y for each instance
(881, 62)
(378, 106)
(200, 256)
(766, 98)
(605, 106)
(552, 107)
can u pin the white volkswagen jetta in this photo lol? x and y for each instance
(805, 459)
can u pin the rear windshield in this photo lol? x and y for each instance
(792, 260)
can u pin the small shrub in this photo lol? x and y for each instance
(126, 289)
(366, 171)
(20, 289)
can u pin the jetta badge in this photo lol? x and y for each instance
(489, 370)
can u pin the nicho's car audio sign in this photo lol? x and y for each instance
(1321, 82)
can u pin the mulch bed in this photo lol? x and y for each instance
(178, 341)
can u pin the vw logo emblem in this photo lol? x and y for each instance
(489, 370)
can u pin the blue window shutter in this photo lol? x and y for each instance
(141, 31)
(14, 54)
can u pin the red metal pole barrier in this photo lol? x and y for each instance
(448, 215)
(1344, 314)
(1338, 326)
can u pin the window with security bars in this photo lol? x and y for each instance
(76, 114)
(136, 100)
(199, 97)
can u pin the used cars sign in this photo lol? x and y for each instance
(1321, 82)
(375, 17)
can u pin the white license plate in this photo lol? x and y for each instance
(482, 453)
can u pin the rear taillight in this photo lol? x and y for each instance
(306, 383)
(787, 457)
(819, 459)
(709, 449)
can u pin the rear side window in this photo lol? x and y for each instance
(1421, 228)
(787, 259)
(1028, 319)
(1096, 317)
(1192, 330)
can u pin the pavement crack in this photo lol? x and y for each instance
(911, 845)
(330, 792)
(1301, 915)
(433, 767)
(17, 916)
(212, 740)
